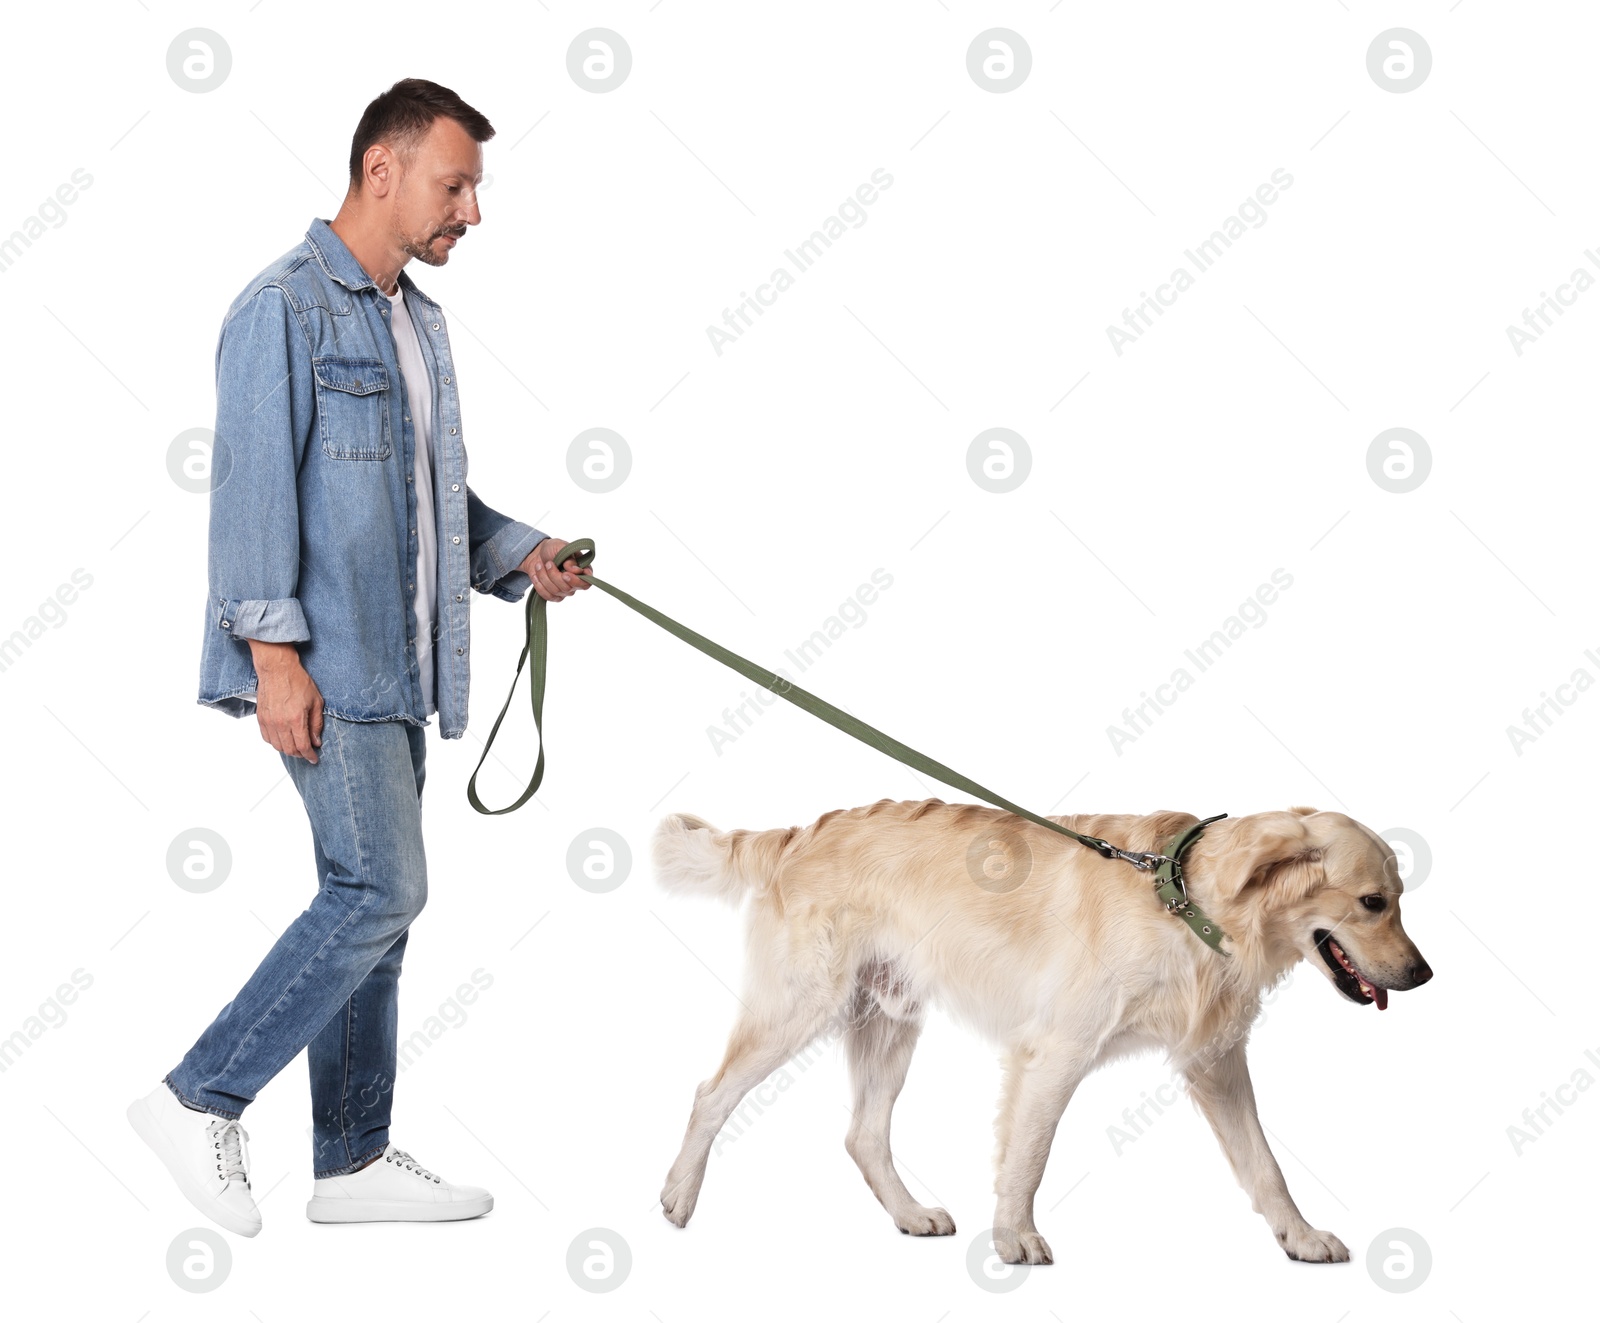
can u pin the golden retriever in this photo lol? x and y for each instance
(1063, 958)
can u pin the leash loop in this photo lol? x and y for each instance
(579, 549)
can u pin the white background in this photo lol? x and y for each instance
(767, 484)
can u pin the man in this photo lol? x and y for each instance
(343, 540)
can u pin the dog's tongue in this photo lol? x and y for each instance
(1381, 997)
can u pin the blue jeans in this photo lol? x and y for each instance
(330, 983)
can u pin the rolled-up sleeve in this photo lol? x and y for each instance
(498, 544)
(264, 417)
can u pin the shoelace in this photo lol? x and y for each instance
(229, 1138)
(410, 1164)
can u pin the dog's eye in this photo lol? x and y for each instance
(1374, 902)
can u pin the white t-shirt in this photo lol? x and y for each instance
(419, 394)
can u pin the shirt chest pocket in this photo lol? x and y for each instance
(353, 407)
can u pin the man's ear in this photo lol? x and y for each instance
(1256, 844)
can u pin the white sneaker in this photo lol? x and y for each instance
(206, 1155)
(394, 1188)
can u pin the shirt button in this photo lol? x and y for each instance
(436, 326)
(458, 597)
(458, 652)
(456, 540)
(225, 625)
(455, 486)
(408, 477)
(452, 431)
(447, 381)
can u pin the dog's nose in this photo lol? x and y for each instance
(1419, 973)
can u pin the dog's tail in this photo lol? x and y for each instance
(692, 856)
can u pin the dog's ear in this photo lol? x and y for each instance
(1257, 845)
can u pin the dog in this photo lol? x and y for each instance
(1063, 958)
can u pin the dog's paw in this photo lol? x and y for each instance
(678, 1200)
(926, 1222)
(1022, 1247)
(1308, 1245)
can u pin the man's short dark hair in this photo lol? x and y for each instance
(403, 115)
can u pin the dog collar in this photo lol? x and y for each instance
(1172, 893)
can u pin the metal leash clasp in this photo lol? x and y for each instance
(1140, 859)
(1144, 861)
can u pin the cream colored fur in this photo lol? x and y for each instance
(1064, 959)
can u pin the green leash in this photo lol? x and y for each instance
(1167, 867)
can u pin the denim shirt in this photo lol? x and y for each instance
(313, 514)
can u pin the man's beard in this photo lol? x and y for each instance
(422, 249)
